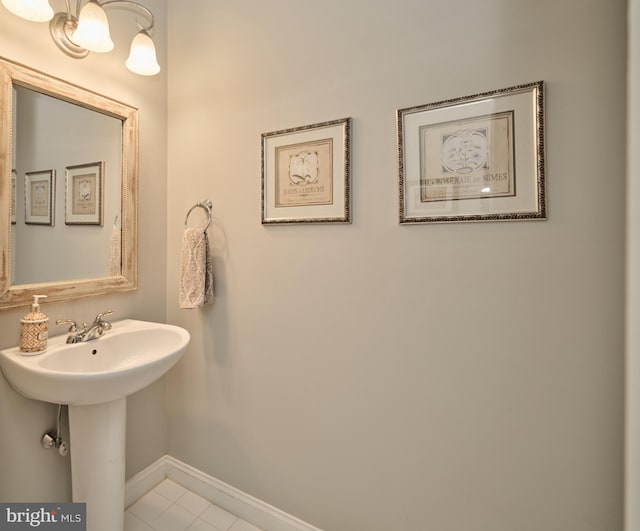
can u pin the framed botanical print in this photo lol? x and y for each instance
(475, 158)
(40, 193)
(306, 174)
(84, 186)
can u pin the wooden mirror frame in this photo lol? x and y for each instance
(11, 296)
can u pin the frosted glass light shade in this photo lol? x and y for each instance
(142, 57)
(93, 29)
(33, 10)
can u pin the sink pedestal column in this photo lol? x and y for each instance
(97, 446)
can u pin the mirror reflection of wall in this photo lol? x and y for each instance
(52, 134)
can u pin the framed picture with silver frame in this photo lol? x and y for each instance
(475, 158)
(40, 195)
(84, 185)
(306, 174)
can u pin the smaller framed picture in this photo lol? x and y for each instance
(40, 193)
(83, 188)
(14, 178)
(306, 174)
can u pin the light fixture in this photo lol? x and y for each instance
(76, 34)
(142, 57)
(92, 32)
(33, 10)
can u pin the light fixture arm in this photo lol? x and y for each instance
(62, 27)
(147, 12)
(129, 3)
(71, 16)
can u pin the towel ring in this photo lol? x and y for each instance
(206, 205)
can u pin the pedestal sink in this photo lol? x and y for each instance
(94, 378)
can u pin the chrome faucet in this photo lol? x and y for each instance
(87, 333)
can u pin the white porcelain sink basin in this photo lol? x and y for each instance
(124, 360)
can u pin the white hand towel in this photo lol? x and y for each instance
(196, 270)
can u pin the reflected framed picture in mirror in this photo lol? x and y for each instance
(39, 193)
(83, 187)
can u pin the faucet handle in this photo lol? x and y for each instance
(72, 328)
(100, 319)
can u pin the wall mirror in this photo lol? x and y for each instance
(68, 189)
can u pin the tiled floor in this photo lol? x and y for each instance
(171, 507)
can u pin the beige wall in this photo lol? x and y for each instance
(376, 377)
(28, 472)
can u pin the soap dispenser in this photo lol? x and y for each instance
(34, 329)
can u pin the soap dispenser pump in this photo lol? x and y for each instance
(34, 329)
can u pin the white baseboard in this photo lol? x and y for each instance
(243, 505)
(145, 480)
